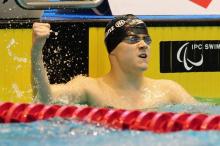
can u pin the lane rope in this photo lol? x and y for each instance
(159, 122)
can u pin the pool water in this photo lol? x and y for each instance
(57, 132)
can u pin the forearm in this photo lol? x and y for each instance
(40, 82)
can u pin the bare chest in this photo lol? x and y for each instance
(150, 97)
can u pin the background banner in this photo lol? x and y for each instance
(168, 7)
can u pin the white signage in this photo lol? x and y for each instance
(165, 7)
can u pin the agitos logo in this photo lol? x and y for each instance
(188, 63)
(202, 3)
(189, 56)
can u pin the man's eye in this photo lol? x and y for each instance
(147, 39)
(134, 39)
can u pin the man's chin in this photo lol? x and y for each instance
(143, 68)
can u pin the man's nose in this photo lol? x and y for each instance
(143, 45)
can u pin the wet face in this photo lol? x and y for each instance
(133, 52)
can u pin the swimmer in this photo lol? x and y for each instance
(124, 86)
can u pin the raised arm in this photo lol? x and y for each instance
(74, 91)
(40, 83)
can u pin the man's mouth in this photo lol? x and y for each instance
(143, 55)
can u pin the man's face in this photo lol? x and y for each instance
(133, 52)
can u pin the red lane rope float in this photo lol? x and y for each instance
(195, 121)
(159, 122)
(4, 107)
(143, 121)
(65, 111)
(31, 112)
(211, 123)
(15, 112)
(177, 122)
(97, 115)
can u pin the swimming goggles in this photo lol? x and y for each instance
(133, 39)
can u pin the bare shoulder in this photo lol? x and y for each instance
(82, 83)
(162, 85)
(167, 83)
(172, 86)
(79, 84)
(177, 92)
(162, 82)
(83, 80)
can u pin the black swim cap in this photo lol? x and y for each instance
(121, 27)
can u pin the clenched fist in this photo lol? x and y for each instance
(41, 32)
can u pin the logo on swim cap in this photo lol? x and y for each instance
(120, 23)
(135, 22)
(109, 31)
